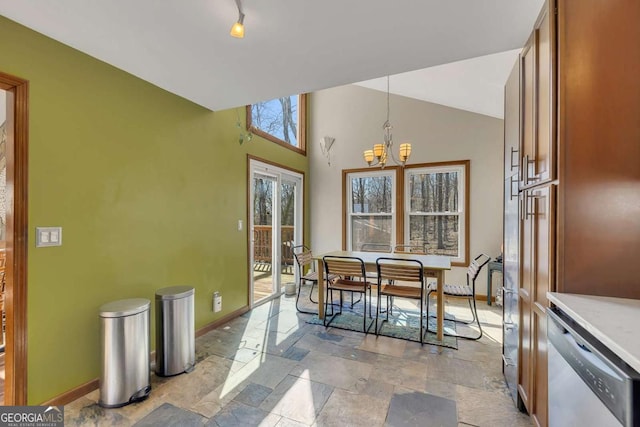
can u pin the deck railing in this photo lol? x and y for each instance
(263, 244)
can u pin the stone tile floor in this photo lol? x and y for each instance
(270, 368)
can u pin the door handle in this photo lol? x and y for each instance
(507, 361)
(509, 326)
(507, 291)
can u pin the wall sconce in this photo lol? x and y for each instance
(325, 146)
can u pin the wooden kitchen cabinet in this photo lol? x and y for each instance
(538, 207)
(579, 187)
(538, 155)
(599, 147)
(537, 198)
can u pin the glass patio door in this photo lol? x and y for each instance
(275, 228)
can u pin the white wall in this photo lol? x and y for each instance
(354, 115)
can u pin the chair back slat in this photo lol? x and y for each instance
(475, 267)
(304, 258)
(400, 269)
(344, 266)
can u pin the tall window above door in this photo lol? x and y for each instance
(280, 120)
(436, 200)
(370, 208)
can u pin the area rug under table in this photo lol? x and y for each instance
(403, 324)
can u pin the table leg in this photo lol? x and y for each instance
(489, 274)
(320, 270)
(440, 330)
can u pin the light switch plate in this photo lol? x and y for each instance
(48, 236)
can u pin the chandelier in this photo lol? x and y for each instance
(378, 156)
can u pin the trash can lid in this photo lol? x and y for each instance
(174, 292)
(124, 307)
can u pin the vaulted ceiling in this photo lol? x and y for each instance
(293, 46)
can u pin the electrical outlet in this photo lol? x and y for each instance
(217, 302)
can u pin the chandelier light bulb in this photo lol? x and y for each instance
(378, 156)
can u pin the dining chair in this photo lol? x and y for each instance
(396, 272)
(306, 273)
(467, 292)
(351, 278)
(376, 247)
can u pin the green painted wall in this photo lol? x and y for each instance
(148, 188)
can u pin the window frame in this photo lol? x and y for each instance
(461, 166)
(302, 127)
(347, 214)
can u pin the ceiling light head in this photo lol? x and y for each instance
(237, 30)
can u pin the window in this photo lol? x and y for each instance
(281, 120)
(432, 208)
(370, 210)
(435, 204)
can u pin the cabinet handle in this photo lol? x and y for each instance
(531, 200)
(513, 151)
(507, 361)
(514, 180)
(526, 213)
(507, 291)
(523, 205)
(526, 161)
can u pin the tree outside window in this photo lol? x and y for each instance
(280, 120)
(436, 209)
(370, 209)
(433, 201)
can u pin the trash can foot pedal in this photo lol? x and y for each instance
(140, 394)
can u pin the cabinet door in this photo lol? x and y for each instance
(511, 249)
(537, 267)
(525, 381)
(527, 109)
(538, 158)
(541, 215)
(544, 150)
(599, 141)
(539, 410)
(512, 123)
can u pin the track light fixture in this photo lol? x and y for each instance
(237, 30)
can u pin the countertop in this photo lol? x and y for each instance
(613, 321)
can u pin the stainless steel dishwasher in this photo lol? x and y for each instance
(588, 384)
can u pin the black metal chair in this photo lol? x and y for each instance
(467, 292)
(396, 271)
(376, 247)
(352, 278)
(306, 273)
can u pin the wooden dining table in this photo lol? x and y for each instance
(434, 266)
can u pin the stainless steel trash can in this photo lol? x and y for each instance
(175, 331)
(125, 376)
